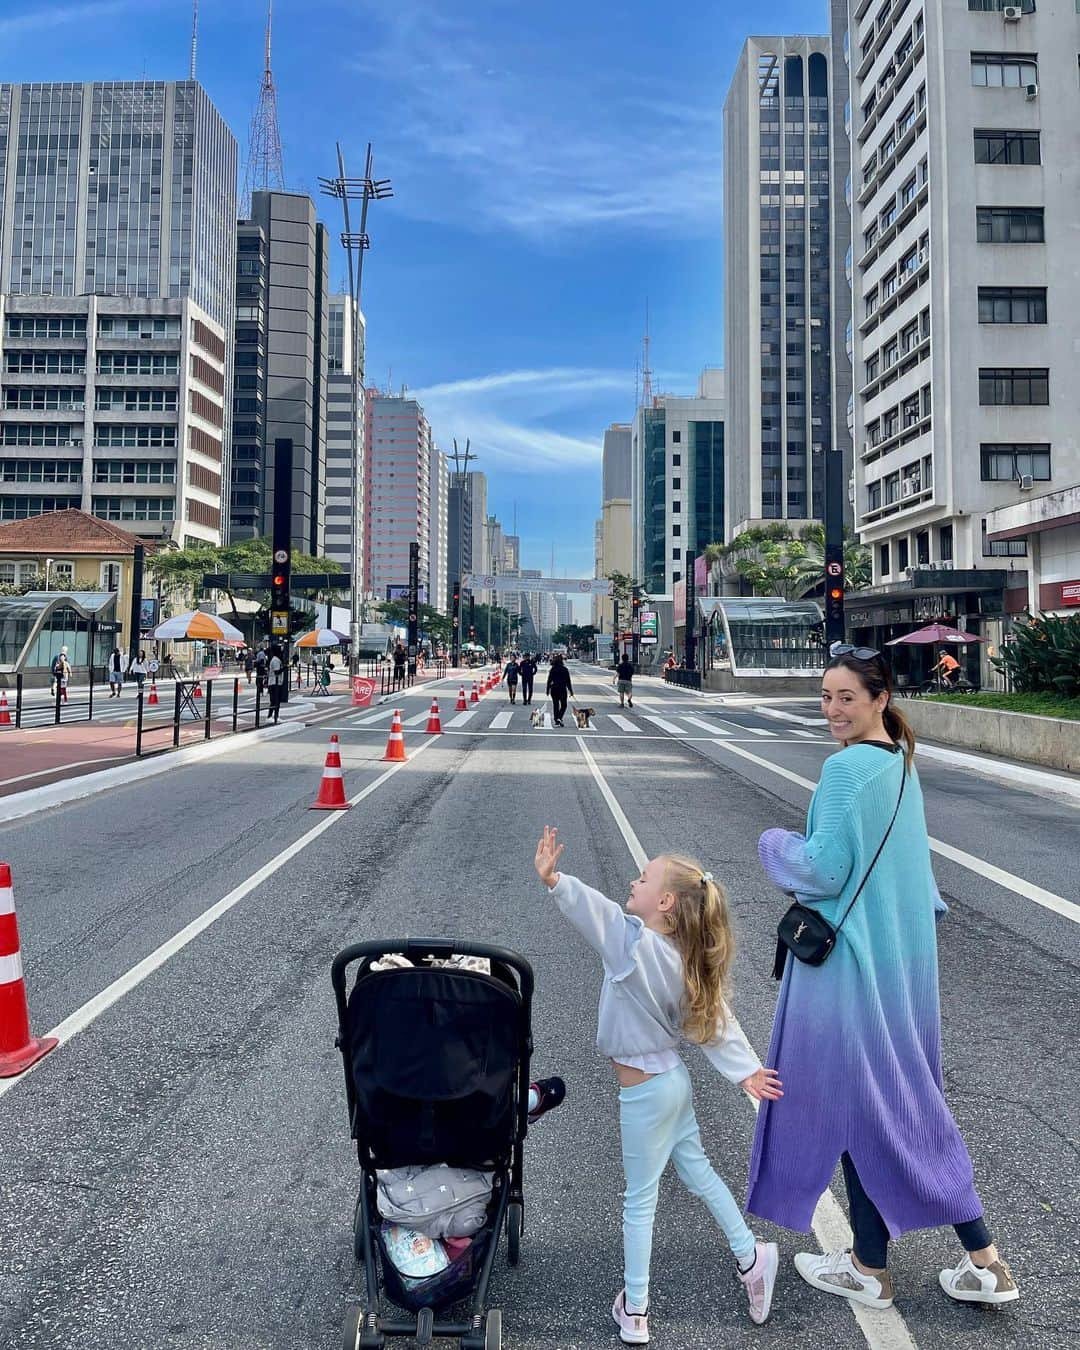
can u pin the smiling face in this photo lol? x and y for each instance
(853, 715)
(649, 898)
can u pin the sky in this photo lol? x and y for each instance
(557, 170)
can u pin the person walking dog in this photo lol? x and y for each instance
(559, 688)
(857, 1031)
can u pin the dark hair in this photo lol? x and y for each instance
(876, 678)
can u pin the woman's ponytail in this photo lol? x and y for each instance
(899, 729)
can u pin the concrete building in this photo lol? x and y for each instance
(438, 534)
(596, 615)
(965, 185)
(281, 365)
(398, 491)
(677, 450)
(780, 240)
(466, 538)
(616, 547)
(117, 265)
(344, 513)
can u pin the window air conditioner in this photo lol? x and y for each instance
(945, 566)
(924, 256)
(1025, 481)
(1012, 13)
(1031, 91)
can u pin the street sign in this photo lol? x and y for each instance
(362, 691)
(279, 623)
(648, 627)
(281, 555)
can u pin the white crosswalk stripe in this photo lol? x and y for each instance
(662, 724)
(758, 731)
(623, 723)
(420, 717)
(500, 720)
(461, 718)
(809, 735)
(710, 727)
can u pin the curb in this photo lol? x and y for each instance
(20, 804)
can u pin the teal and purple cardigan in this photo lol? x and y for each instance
(857, 1040)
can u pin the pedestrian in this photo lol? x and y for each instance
(116, 673)
(262, 660)
(624, 682)
(139, 668)
(61, 673)
(527, 671)
(559, 687)
(249, 663)
(401, 658)
(55, 668)
(667, 961)
(857, 1038)
(276, 679)
(296, 666)
(510, 675)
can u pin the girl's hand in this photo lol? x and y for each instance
(548, 852)
(764, 1086)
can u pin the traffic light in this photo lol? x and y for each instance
(635, 602)
(834, 600)
(472, 632)
(280, 580)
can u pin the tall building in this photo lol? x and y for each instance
(282, 305)
(398, 491)
(117, 248)
(677, 452)
(596, 617)
(617, 542)
(344, 513)
(438, 534)
(466, 536)
(964, 193)
(779, 246)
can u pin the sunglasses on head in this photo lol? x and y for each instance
(859, 653)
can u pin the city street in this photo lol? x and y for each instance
(179, 1171)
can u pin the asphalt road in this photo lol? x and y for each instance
(180, 1172)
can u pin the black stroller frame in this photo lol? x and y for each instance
(365, 1327)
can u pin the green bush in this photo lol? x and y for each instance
(1043, 656)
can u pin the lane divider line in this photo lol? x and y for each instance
(1068, 909)
(93, 1008)
(882, 1329)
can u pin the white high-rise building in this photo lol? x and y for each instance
(438, 574)
(344, 514)
(965, 189)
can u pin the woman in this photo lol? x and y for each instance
(510, 675)
(139, 669)
(276, 679)
(856, 1039)
(559, 688)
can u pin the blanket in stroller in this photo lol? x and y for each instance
(440, 1201)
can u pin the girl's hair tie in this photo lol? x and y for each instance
(706, 877)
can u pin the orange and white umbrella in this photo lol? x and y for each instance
(197, 624)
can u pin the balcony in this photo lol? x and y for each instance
(895, 85)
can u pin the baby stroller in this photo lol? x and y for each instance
(436, 1071)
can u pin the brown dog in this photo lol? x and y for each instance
(584, 717)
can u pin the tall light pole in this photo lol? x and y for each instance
(363, 190)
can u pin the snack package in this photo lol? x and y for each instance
(414, 1254)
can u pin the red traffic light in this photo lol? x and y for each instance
(279, 579)
(836, 593)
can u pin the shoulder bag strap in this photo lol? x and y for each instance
(877, 855)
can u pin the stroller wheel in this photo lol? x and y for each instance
(354, 1325)
(493, 1330)
(515, 1222)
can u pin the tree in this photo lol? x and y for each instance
(182, 570)
(573, 635)
(774, 561)
(437, 626)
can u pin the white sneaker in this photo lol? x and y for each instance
(969, 1283)
(836, 1273)
(633, 1327)
(760, 1280)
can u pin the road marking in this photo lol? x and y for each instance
(882, 1329)
(808, 735)
(1068, 909)
(420, 717)
(710, 727)
(63, 768)
(664, 726)
(462, 718)
(757, 731)
(370, 720)
(92, 1009)
(623, 722)
(500, 720)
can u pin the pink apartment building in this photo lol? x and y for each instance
(397, 490)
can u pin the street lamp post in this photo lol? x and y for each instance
(363, 190)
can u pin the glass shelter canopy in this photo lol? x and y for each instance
(761, 635)
(33, 628)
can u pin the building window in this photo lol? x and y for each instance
(998, 70)
(1010, 225)
(1002, 463)
(110, 576)
(922, 548)
(996, 6)
(883, 559)
(871, 370)
(1012, 304)
(676, 460)
(1007, 147)
(1013, 385)
(945, 543)
(676, 553)
(873, 496)
(676, 507)
(1002, 548)
(676, 483)
(902, 555)
(135, 508)
(134, 471)
(676, 437)
(676, 530)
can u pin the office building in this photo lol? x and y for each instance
(117, 260)
(282, 307)
(779, 247)
(966, 296)
(344, 511)
(398, 446)
(677, 455)
(615, 550)
(438, 532)
(466, 538)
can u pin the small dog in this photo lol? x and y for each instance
(537, 718)
(584, 717)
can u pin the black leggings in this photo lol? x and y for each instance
(871, 1235)
(558, 703)
(526, 688)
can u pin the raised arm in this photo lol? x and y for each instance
(601, 922)
(730, 1053)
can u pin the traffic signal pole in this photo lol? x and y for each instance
(455, 620)
(281, 562)
(834, 545)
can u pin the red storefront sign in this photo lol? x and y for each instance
(1059, 594)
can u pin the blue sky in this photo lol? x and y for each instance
(555, 166)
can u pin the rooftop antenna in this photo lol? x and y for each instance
(646, 368)
(265, 170)
(194, 36)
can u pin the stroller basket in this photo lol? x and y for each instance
(436, 1062)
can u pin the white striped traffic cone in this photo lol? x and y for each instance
(18, 1048)
(332, 787)
(395, 746)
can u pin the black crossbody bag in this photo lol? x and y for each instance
(804, 932)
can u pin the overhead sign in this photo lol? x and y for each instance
(648, 627)
(504, 582)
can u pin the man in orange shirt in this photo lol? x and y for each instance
(948, 668)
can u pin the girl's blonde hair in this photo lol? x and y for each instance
(701, 929)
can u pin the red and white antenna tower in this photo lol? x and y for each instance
(646, 368)
(265, 171)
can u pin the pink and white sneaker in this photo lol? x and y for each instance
(760, 1280)
(633, 1327)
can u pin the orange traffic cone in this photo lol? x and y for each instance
(434, 725)
(461, 705)
(18, 1048)
(5, 716)
(395, 746)
(332, 787)
(153, 700)
(474, 697)
(197, 691)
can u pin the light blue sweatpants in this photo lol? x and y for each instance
(657, 1122)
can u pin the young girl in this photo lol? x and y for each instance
(666, 963)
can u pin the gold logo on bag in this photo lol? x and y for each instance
(800, 931)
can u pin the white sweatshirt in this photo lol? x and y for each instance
(641, 1002)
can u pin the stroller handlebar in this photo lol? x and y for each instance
(439, 948)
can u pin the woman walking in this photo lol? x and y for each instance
(856, 1038)
(527, 669)
(139, 669)
(559, 688)
(510, 675)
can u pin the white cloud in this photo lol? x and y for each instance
(53, 16)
